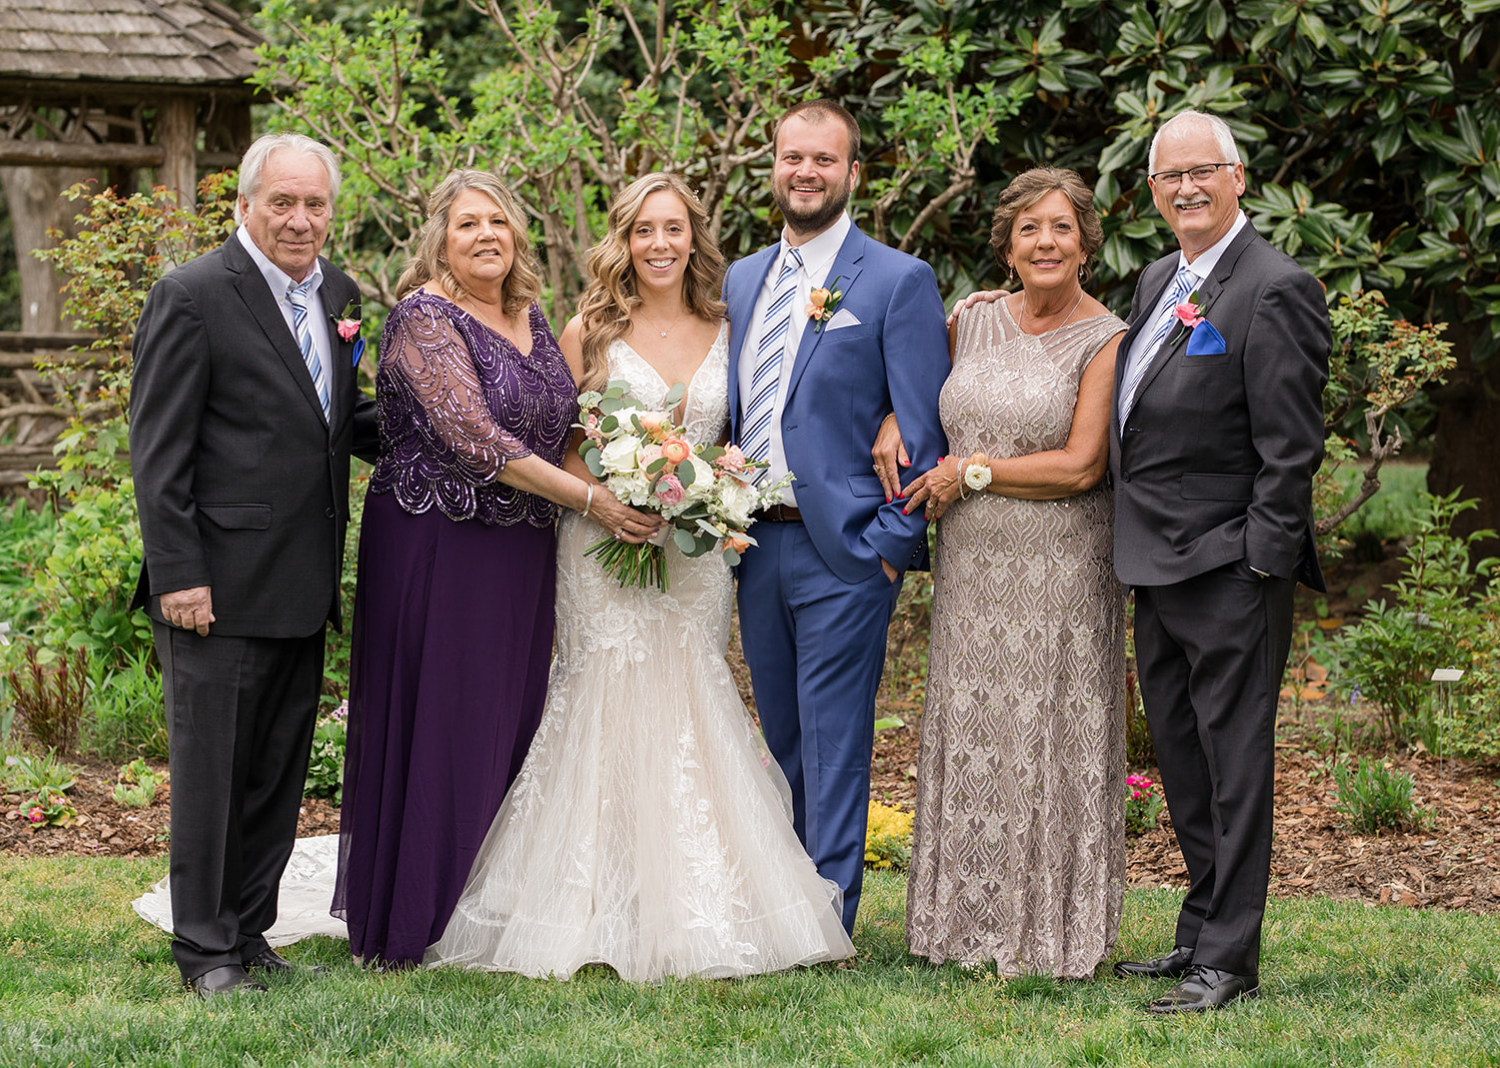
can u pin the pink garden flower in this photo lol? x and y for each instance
(348, 328)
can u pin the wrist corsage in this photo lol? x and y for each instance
(976, 472)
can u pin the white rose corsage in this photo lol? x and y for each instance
(976, 472)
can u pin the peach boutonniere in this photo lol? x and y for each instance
(1189, 311)
(822, 302)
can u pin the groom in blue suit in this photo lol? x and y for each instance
(810, 381)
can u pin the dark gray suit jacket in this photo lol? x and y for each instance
(241, 484)
(1216, 459)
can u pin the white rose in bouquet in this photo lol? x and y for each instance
(618, 456)
(736, 502)
(703, 478)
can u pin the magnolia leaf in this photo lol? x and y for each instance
(885, 723)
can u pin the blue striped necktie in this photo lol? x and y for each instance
(297, 298)
(765, 380)
(1181, 286)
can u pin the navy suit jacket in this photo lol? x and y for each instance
(1215, 461)
(844, 381)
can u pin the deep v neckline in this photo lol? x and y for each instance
(692, 378)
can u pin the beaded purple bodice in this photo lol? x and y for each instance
(458, 402)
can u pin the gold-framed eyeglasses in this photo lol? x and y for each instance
(1199, 174)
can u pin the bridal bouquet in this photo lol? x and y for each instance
(647, 462)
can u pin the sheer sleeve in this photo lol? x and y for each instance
(430, 361)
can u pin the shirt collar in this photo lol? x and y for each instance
(818, 252)
(1204, 265)
(275, 277)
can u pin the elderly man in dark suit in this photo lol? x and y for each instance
(1218, 431)
(243, 414)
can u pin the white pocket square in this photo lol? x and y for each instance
(841, 318)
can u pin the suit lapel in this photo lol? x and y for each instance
(1208, 291)
(841, 275)
(1156, 289)
(252, 288)
(743, 286)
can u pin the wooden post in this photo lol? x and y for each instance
(177, 134)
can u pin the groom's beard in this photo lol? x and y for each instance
(818, 219)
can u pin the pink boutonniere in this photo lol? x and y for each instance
(822, 302)
(1189, 311)
(347, 322)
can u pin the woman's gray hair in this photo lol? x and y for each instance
(255, 162)
(1220, 129)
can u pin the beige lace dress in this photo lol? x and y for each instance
(1019, 849)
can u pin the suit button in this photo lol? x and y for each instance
(1124, 476)
(328, 513)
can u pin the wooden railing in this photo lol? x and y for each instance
(30, 417)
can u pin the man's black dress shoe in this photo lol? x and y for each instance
(222, 981)
(272, 961)
(1205, 988)
(1173, 966)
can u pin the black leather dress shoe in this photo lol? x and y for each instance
(1173, 966)
(223, 981)
(272, 961)
(1205, 988)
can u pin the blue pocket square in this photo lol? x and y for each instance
(1205, 340)
(359, 349)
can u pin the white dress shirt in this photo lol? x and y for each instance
(1200, 269)
(281, 283)
(818, 255)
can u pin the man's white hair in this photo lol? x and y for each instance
(1220, 129)
(255, 162)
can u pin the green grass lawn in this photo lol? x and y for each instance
(83, 981)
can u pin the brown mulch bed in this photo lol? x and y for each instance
(106, 829)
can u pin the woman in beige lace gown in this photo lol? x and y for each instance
(1019, 850)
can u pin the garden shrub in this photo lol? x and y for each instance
(1375, 798)
(49, 700)
(127, 716)
(1390, 654)
(888, 837)
(325, 768)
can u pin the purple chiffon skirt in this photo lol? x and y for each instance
(448, 675)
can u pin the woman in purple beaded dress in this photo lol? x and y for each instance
(453, 610)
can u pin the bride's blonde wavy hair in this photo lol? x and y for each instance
(611, 295)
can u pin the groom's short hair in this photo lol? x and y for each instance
(820, 111)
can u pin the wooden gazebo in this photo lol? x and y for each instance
(125, 85)
(107, 89)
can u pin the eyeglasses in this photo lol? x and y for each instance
(1199, 174)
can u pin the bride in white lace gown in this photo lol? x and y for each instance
(649, 829)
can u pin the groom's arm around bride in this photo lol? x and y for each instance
(830, 332)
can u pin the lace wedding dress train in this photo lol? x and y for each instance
(649, 829)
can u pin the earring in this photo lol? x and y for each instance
(691, 251)
(1082, 271)
(1010, 273)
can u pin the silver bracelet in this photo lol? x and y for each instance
(588, 503)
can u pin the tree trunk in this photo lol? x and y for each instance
(33, 196)
(1466, 445)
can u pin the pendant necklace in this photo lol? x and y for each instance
(657, 328)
